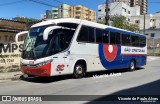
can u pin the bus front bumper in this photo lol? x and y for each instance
(43, 71)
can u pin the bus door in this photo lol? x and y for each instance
(56, 48)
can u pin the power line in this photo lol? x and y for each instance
(43, 3)
(10, 3)
(59, 1)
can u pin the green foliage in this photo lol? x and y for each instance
(25, 19)
(100, 21)
(121, 22)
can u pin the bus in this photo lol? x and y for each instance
(75, 46)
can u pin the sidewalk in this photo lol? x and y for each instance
(10, 75)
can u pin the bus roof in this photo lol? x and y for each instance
(79, 21)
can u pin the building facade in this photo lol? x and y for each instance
(152, 30)
(152, 24)
(10, 51)
(118, 8)
(67, 11)
(133, 3)
(81, 12)
(63, 11)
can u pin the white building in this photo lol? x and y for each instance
(43, 16)
(64, 11)
(152, 24)
(132, 3)
(118, 8)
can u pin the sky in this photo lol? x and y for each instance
(30, 9)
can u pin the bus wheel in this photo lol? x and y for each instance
(79, 70)
(132, 66)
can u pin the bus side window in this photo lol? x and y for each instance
(99, 35)
(135, 41)
(115, 38)
(91, 35)
(126, 40)
(83, 34)
(106, 37)
(112, 37)
(142, 41)
(118, 38)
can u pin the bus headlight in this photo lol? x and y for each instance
(44, 63)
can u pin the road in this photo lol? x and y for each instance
(144, 81)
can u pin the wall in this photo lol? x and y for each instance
(10, 52)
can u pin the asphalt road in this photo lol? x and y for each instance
(143, 81)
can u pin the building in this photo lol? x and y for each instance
(9, 50)
(50, 14)
(152, 30)
(152, 24)
(67, 11)
(118, 8)
(43, 16)
(81, 12)
(63, 11)
(54, 12)
(133, 3)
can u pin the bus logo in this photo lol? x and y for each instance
(110, 52)
(31, 62)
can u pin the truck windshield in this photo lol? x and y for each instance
(35, 47)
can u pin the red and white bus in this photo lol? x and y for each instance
(74, 46)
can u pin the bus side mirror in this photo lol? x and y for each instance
(19, 34)
(48, 30)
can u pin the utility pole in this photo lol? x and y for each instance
(107, 16)
(144, 28)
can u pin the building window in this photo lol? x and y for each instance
(77, 8)
(128, 12)
(124, 9)
(77, 17)
(99, 10)
(152, 35)
(146, 34)
(137, 21)
(128, 19)
(78, 12)
(108, 10)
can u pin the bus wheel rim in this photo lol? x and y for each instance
(79, 70)
(132, 65)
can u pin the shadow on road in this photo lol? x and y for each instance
(66, 77)
(149, 90)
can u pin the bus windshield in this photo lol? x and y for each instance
(35, 47)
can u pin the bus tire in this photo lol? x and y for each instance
(79, 70)
(132, 65)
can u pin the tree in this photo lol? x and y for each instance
(100, 21)
(121, 22)
(25, 19)
(28, 21)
